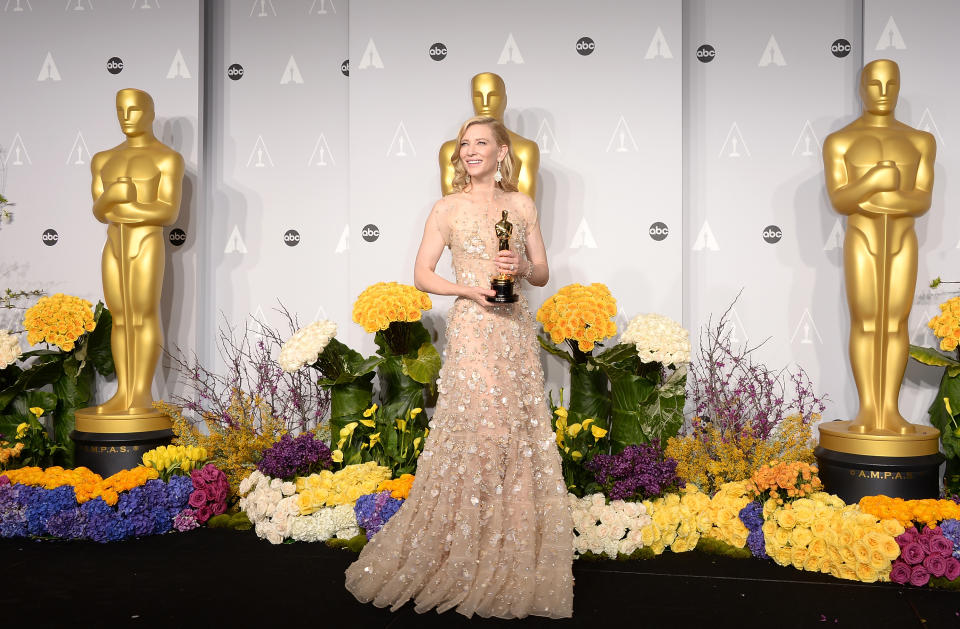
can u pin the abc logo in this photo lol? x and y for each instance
(50, 237)
(291, 238)
(345, 67)
(585, 46)
(840, 48)
(659, 231)
(114, 65)
(706, 53)
(772, 234)
(235, 71)
(370, 233)
(177, 237)
(438, 52)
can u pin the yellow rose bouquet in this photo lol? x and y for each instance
(409, 364)
(946, 327)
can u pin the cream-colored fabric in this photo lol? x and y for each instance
(487, 528)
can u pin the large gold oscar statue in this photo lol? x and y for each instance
(879, 173)
(136, 191)
(490, 99)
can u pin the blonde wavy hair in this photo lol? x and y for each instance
(500, 135)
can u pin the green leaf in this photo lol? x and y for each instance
(932, 357)
(630, 394)
(550, 348)
(73, 391)
(943, 420)
(425, 367)
(351, 398)
(663, 416)
(99, 352)
(399, 393)
(621, 356)
(38, 375)
(589, 393)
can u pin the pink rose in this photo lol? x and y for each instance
(940, 545)
(952, 569)
(924, 541)
(198, 498)
(919, 576)
(900, 572)
(219, 493)
(910, 535)
(197, 479)
(219, 508)
(935, 564)
(4, 481)
(204, 513)
(912, 553)
(210, 473)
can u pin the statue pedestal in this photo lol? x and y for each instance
(854, 465)
(109, 443)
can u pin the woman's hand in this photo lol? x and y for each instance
(509, 262)
(478, 294)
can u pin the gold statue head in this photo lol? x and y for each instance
(880, 86)
(489, 95)
(496, 135)
(135, 112)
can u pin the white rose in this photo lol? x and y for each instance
(288, 489)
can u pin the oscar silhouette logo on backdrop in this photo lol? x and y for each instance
(136, 192)
(879, 173)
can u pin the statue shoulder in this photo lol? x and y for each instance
(448, 147)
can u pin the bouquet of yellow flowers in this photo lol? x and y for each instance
(580, 315)
(385, 303)
(59, 320)
(784, 481)
(394, 443)
(170, 460)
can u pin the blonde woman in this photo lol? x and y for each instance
(486, 529)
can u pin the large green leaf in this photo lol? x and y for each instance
(662, 417)
(629, 393)
(589, 392)
(943, 420)
(550, 348)
(410, 335)
(99, 351)
(399, 393)
(425, 367)
(38, 375)
(351, 398)
(621, 356)
(22, 404)
(73, 391)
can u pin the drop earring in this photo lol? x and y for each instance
(498, 176)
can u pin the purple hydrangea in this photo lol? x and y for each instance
(291, 457)
(186, 520)
(637, 473)
(951, 531)
(752, 518)
(373, 511)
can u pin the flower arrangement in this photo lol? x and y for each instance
(238, 412)
(306, 345)
(926, 512)
(821, 534)
(170, 460)
(658, 339)
(608, 529)
(337, 488)
(395, 444)
(639, 472)
(784, 481)
(373, 510)
(10, 349)
(385, 303)
(31, 446)
(86, 484)
(295, 456)
(59, 320)
(924, 554)
(58, 379)
(139, 507)
(398, 487)
(580, 315)
(578, 442)
(946, 325)
(210, 491)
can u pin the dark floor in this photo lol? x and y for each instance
(217, 578)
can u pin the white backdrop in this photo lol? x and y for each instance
(704, 116)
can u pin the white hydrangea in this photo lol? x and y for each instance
(306, 345)
(607, 529)
(658, 339)
(10, 349)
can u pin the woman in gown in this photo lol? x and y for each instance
(486, 528)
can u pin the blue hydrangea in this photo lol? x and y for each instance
(373, 511)
(757, 544)
(951, 530)
(67, 524)
(752, 516)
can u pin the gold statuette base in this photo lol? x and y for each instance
(134, 420)
(835, 436)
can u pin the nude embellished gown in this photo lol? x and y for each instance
(486, 528)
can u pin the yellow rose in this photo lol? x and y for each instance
(866, 573)
(813, 563)
(782, 556)
(803, 509)
(847, 554)
(786, 518)
(798, 556)
(890, 548)
(861, 551)
(800, 536)
(891, 527)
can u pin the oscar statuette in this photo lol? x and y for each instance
(502, 284)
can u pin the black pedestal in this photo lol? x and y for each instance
(108, 453)
(853, 476)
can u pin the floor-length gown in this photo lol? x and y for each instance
(486, 528)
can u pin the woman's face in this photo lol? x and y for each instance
(479, 152)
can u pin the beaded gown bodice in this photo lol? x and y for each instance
(486, 528)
